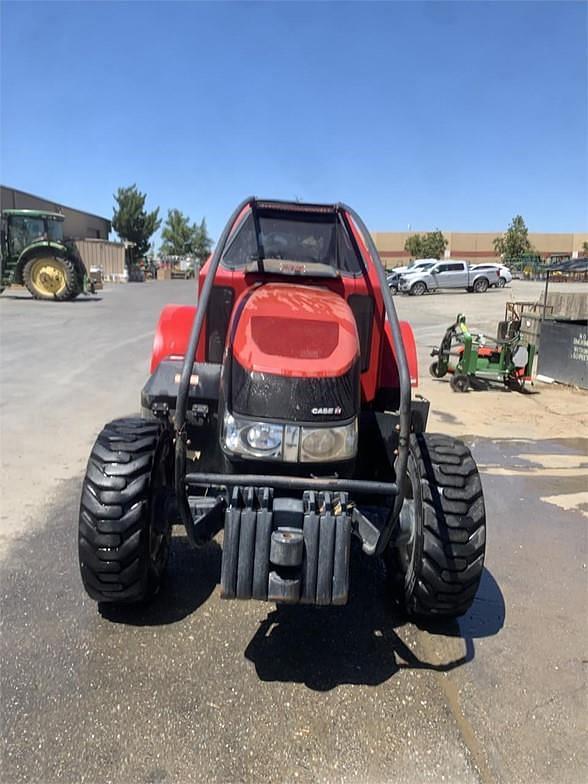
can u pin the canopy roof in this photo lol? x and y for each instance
(570, 265)
(35, 214)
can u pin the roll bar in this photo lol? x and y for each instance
(182, 481)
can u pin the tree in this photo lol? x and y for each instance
(585, 247)
(132, 222)
(426, 246)
(177, 234)
(515, 242)
(202, 242)
(414, 245)
(182, 238)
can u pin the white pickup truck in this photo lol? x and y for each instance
(395, 274)
(447, 274)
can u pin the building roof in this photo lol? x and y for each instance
(570, 265)
(56, 203)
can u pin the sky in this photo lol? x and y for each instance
(421, 115)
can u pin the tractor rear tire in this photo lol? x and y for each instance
(437, 573)
(51, 278)
(125, 521)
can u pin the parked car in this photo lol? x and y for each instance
(447, 275)
(393, 277)
(504, 274)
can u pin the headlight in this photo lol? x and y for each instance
(253, 439)
(327, 444)
(264, 437)
(291, 443)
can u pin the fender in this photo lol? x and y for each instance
(36, 249)
(173, 333)
(389, 366)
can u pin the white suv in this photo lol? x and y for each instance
(504, 274)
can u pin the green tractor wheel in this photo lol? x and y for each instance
(436, 371)
(459, 382)
(51, 277)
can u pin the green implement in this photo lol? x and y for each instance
(507, 359)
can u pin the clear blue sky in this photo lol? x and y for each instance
(430, 114)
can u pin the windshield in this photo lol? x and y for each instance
(24, 230)
(306, 239)
(420, 267)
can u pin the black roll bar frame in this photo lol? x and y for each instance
(182, 480)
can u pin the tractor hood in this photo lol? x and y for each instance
(294, 355)
(292, 330)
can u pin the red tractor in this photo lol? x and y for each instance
(280, 410)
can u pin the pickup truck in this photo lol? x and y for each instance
(394, 275)
(448, 275)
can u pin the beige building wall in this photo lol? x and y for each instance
(476, 246)
(390, 241)
(108, 256)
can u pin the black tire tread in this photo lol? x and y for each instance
(113, 508)
(453, 528)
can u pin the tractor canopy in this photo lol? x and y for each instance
(292, 239)
(26, 227)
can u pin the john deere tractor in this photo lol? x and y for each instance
(34, 254)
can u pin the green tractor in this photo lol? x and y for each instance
(34, 254)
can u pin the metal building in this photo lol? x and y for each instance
(77, 224)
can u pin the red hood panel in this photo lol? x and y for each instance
(292, 330)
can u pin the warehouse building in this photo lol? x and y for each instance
(476, 247)
(77, 223)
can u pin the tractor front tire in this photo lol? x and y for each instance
(437, 571)
(125, 521)
(51, 278)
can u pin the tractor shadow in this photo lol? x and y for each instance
(478, 384)
(358, 644)
(191, 577)
(23, 296)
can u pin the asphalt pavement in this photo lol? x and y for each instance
(192, 688)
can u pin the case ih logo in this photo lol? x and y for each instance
(329, 410)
